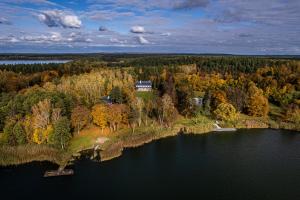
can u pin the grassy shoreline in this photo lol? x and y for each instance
(29, 153)
(125, 139)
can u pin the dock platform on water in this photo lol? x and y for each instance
(219, 129)
(224, 129)
(63, 172)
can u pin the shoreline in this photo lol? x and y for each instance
(114, 148)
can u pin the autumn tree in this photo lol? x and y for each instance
(41, 113)
(167, 111)
(218, 97)
(133, 117)
(138, 106)
(186, 104)
(226, 112)
(118, 115)
(80, 117)
(100, 115)
(237, 97)
(256, 104)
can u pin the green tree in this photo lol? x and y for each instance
(117, 95)
(8, 135)
(19, 134)
(61, 135)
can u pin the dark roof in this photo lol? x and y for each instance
(143, 84)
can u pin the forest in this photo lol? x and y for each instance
(51, 104)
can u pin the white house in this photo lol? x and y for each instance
(144, 86)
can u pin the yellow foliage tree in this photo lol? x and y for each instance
(257, 104)
(40, 136)
(226, 112)
(99, 113)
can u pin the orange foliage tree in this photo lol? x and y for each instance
(256, 104)
(100, 115)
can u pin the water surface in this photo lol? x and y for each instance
(249, 164)
(28, 62)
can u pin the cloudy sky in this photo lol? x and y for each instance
(167, 26)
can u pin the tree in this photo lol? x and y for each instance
(80, 117)
(41, 114)
(118, 115)
(117, 95)
(14, 133)
(41, 136)
(8, 135)
(168, 112)
(56, 114)
(256, 104)
(100, 115)
(226, 112)
(236, 96)
(138, 106)
(61, 134)
(19, 134)
(133, 117)
(186, 104)
(218, 97)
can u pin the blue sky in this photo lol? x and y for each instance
(166, 26)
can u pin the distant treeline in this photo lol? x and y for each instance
(86, 62)
(30, 68)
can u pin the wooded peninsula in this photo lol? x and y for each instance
(55, 111)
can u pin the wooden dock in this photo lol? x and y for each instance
(59, 172)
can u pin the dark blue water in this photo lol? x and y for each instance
(248, 164)
(27, 62)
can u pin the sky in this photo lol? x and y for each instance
(150, 26)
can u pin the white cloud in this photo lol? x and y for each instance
(36, 2)
(57, 18)
(137, 29)
(116, 40)
(5, 21)
(142, 40)
(165, 34)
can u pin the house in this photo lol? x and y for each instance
(144, 86)
(106, 100)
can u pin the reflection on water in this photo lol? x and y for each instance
(247, 164)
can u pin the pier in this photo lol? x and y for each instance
(220, 129)
(59, 172)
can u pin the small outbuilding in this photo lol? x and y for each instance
(198, 101)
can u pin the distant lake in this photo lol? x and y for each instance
(29, 62)
(257, 164)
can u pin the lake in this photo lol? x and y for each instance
(28, 62)
(248, 164)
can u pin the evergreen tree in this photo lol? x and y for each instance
(117, 95)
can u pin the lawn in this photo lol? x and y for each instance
(86, 139)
